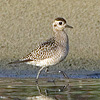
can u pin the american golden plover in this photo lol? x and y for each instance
(51, 52)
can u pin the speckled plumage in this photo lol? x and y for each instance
(53, 50)
(43, 51)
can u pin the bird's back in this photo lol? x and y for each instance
(43, 51)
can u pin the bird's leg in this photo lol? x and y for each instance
(37, 77)
(47, 69)
(62, 72)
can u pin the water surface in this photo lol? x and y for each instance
(61, 89)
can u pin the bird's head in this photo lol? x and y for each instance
(60, 24)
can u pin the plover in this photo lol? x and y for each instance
(51, 52)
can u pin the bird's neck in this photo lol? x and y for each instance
(62, 38)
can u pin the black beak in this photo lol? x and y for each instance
(69, 26)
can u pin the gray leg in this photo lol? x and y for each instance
(61, 72)
(39, 74)
(47, 69)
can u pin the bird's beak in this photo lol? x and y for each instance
(68, 26)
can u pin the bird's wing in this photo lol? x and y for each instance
(43, 51)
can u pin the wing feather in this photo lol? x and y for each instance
(43, 51)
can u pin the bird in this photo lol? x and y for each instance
(52, 51)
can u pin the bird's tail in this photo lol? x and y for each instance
(20, 61)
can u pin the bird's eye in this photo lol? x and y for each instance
(60, 23)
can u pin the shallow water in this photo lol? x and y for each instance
(61, 89)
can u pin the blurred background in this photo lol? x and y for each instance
(26, 23)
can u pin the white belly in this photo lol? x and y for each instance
(45, 62)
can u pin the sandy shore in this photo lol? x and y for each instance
(26, 23)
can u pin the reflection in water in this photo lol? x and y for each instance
(47, 95)
(26, 89)
(42, 97)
